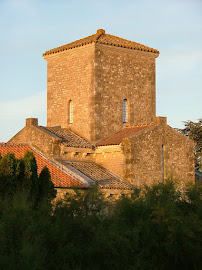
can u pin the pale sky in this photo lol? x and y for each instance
(30, 27)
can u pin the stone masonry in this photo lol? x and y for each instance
(97, 78)
(96, 74)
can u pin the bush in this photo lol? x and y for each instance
(158, 227)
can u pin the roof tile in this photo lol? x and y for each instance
(58, 176)
(101, 38)
(102, 177)
(117, 138)
(69, 138)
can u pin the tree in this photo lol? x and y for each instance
(46, 186)
(193, 130)
(20, 175)
(31, 180)
(158, 227)
(8, 174)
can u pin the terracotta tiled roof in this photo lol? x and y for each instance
(117, 138)
(102, 177)
(69, 138)
(58, 176)
(101, 38)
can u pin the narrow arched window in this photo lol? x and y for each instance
(70, 112)
(125, 111)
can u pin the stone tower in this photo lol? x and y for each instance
(102, 125)
(99, 84)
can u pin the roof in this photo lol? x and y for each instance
(59, 174)
(117, 138)
(69, 138)
(59, 177)
(102, 177)
(102, 38)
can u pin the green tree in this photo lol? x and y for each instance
(158, 228)
(31, 176)
(46, 186)
(20, 175)
(8, 174)
(193, 130)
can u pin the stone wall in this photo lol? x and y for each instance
(97, 78)
(123, 74)
(45, 143)
(144, 160)
(138, 160)
(112, 159)
(179, 156)
(70, 76)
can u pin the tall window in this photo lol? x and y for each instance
(70, 112)
(125, 111)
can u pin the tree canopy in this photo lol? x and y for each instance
(157, 227)
(21, 175)
(193, 130)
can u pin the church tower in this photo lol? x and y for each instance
(100, 84)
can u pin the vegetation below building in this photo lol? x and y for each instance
(159, 227)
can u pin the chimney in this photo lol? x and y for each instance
(159, 120)
(32, 122)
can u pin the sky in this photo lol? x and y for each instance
(28, 28)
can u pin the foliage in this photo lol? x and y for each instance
(20, 175)
(194, 131)
(9, 171)
(46, 186)
(157, 227)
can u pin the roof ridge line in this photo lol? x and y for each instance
(13, 144)
(141, 125)
(52, 133)
(137, 43)
(69, 140)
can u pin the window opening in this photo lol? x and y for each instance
(125, 111)
(70, 112)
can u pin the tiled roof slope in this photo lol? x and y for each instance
(103, 178)
(58, 176)
(117, 138)
(69, 138)
(101, 38)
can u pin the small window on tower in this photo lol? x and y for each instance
(70, 112)
(125, 111)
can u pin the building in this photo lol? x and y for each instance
(101, 117)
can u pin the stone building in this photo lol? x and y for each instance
(101, 117)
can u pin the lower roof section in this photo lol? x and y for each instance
(68, 137)
(99, 175)
(68, 174)
(59, 177)
(117, 137)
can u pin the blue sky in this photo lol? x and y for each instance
(30, 27)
